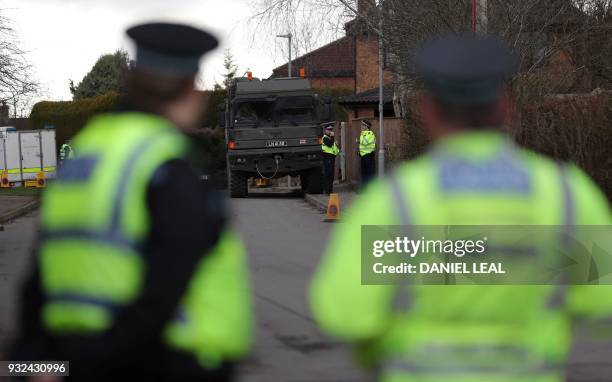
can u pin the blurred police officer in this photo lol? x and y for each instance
(367, 146)
(473, 175)
(136, 274)
(330, 152)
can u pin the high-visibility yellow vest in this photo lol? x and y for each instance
(462, 332)
(94, 220)
(334, 150)
(367, 142)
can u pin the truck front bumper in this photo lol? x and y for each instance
(290, 160)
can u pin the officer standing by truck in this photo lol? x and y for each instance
(330, 152)
(136, 275)
(367, 146)
(474, 174)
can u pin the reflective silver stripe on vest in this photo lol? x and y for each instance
(77, 298)
(399, 199)
(442, 368)
(113, 233)
(441, 359)
(402, 299)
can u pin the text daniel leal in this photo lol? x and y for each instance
(439, 268)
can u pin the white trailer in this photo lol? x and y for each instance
(24, 154)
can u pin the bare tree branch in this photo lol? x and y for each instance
(17, 85)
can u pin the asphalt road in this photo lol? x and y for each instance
(284, 237)
(16, 241)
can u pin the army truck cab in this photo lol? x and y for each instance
(273, 129)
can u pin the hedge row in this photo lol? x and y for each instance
(338, 112)
(210, 154)
(69, 117)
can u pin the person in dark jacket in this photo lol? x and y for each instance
(330, 152)
(134, 249)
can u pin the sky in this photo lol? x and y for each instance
(64, 38)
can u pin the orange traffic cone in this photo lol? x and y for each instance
(333, 208)
(4, 180)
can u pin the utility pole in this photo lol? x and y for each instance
(381, 138)
(288, 37)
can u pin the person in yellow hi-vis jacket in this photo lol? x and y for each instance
(330, 152)
(138, 275)
(473, 175)
(367, 146)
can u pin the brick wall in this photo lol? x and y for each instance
(366, 66)
(333, 82)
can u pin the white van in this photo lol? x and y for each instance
(23, 154)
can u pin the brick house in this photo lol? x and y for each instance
(349, 62)
(330, 66)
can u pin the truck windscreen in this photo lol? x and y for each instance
(253, 113)
(294, 110)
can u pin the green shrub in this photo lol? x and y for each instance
(210, 154)
(214, 98)
(69, 117)
(338, 112)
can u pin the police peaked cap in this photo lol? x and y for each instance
(465, 70)
(170, 49)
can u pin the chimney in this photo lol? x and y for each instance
(364, 6)
(4, 114)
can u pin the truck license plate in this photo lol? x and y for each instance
(276, 143)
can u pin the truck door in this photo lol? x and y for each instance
(30, 154)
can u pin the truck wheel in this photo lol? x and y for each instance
(238, 185)
(315, 181)
(304, 180)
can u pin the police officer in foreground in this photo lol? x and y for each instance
(136, 274)
(473, 175)
(367, 146)
(330, 152)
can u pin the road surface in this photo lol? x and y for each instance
(284, 237)
(16, 241)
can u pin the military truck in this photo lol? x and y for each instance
(273, 129)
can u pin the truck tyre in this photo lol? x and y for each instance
(238, 185)
(304, 180)
(315, 181)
